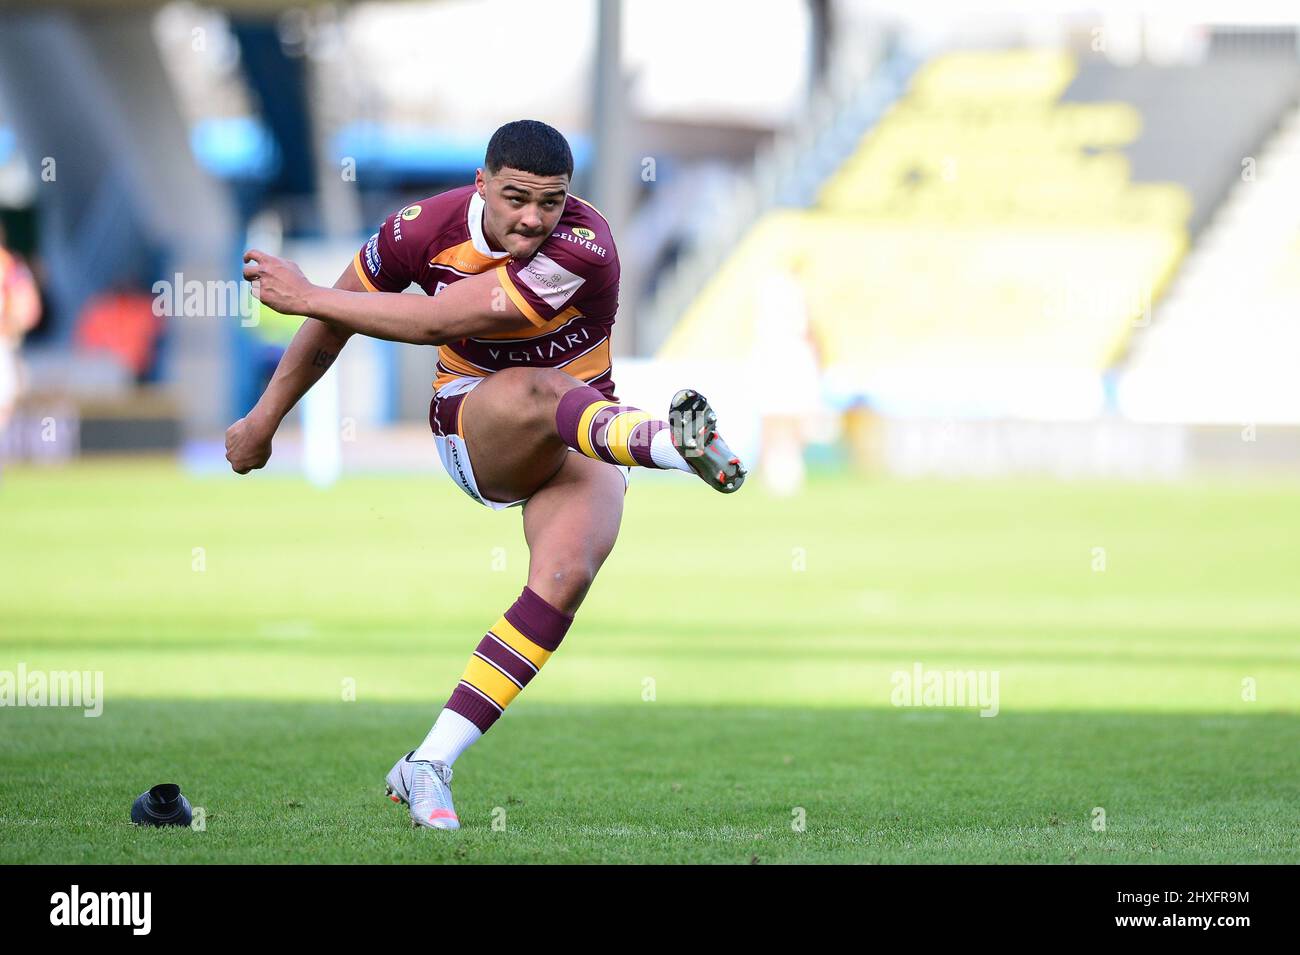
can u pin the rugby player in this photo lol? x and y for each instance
(521, 281)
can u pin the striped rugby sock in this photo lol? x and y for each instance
(506, 659)
(589, 422)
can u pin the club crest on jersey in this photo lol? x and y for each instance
(406, 215)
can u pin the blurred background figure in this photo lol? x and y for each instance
(787, 376)
(20, 311)
(121, 322)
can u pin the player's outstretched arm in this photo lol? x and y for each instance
(313, 349)
(471, 306)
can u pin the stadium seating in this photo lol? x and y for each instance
(985, 248)
(1224, 346)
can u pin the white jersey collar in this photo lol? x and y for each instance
(476, 204)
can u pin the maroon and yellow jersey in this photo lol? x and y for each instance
(568, 289)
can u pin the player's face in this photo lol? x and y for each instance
(521, 209)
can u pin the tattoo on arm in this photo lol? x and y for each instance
(323, 358)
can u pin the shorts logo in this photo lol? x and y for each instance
(460, 471)
(410, 212)
(585, 233)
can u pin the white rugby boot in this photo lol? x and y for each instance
(425, 787)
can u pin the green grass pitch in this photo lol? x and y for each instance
(729, 674)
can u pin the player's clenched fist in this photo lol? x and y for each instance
(277, 283)
(248, 446)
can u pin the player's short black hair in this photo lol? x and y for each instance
(529, 146)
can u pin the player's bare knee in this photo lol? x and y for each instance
(569, 578)
(540, 390)
(550, 384)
